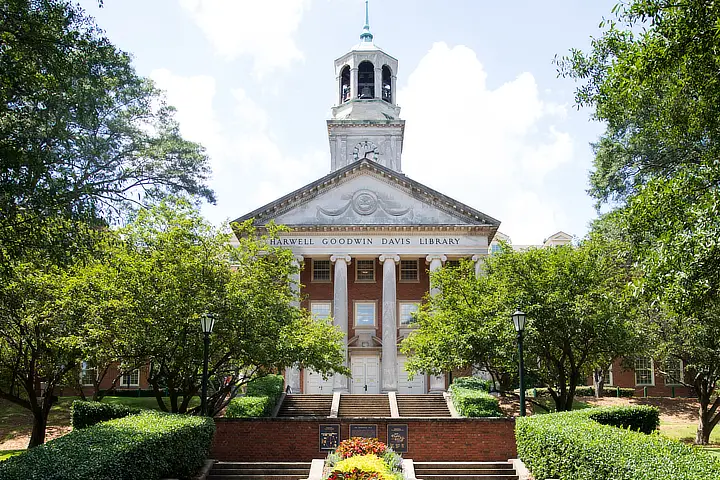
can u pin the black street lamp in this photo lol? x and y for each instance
(518, 319)
(207, 322)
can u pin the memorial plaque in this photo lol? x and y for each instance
(398, 438)
(365, 431)
(329, 437)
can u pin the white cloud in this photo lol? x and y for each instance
(262, 29)
(249, 167)
(493, 149)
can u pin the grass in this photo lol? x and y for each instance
(5, 454)
(685, 432)
(713, 451)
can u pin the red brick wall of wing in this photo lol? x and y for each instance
(456, 439)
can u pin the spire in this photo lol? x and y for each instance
(366, 36)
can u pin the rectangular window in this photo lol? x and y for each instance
(321, 270)
(674, 371)
(365, 271)
(321, 310)
(644, 374)
(406, 312)
(364, 314)
(131, 379)
(409, 271)
(88, 374)
(608, 376)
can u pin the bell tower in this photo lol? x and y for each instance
(366, 120)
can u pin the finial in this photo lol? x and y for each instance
(366, 36)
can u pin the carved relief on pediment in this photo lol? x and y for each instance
(365, 202)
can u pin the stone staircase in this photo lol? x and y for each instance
(364, 406)
(259, 471)
(465, 471)
(306, 406)
(422, 406)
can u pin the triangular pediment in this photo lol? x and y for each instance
(368, 194)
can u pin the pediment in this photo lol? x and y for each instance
(368, 194)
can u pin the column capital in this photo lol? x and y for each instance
(477, 257)
(335, 258)
(431, 257)
(298, 258)
(391, 256)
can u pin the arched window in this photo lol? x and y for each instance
(345, 84)
(366, 80)
(386, 84)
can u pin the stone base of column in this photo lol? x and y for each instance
(437, 383)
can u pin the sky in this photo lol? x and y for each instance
(488, 121)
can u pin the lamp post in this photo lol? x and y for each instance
(518, 319)
(207, 322)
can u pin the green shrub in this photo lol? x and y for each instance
(472, 383)
(267, 386)
(246, 407)
(85, 414)
(640, 418)
(570, 445)
(147, 446)
(474, 403)
(584, 391)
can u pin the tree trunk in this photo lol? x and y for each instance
(40, 416)
(702, 437)
(158, 396)
(709, 414)
(598, 382)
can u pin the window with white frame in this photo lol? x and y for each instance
(321, 270)
(674, 371)
(644, 371)
(131, 379)
(608, 376)
(407, 309)
(495, 248)
(321, 310)
(88, 374)
(409, 271)
(365, 271)
(364, 314)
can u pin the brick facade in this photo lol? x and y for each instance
(448, 439)
(624, 377)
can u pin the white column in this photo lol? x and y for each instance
(479, 267)
(292, 374)
(389, 319)
(437, 382)
(392, 90)
(353, 83)
(378, 82)
(340, 312)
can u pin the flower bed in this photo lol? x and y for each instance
(363, 459)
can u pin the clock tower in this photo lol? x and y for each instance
(366, 120)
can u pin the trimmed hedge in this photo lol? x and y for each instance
(473, 383)
(474, 403)
(262, 394)
(86, 414)
(584, 391)
(570, 445)
(246, 407)
(641, 418)
(147, 446)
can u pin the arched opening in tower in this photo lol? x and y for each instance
(386, 84)
(345, 84)
(366, 80)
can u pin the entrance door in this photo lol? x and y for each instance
(406, 386)
(315, 383)
(365, 375)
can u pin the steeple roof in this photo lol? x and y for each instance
(366, 36)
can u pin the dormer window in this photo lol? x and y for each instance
(345, 84)
(366, 80)
(386, 84)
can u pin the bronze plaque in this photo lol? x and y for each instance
(398, 438)
(365, 431)
(329, 437)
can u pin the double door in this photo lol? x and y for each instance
(365, 375)
(315, 383)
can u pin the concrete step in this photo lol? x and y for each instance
(490, 476)
(463, 465)
(425, 472)
(262, 465)
(259, 471)
(225, 476)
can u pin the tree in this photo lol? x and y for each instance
(652, 78)
(171, 269)
(575, 300)
(83, 138)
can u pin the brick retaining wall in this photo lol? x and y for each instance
(446, 439)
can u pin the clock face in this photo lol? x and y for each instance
(365, 149)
